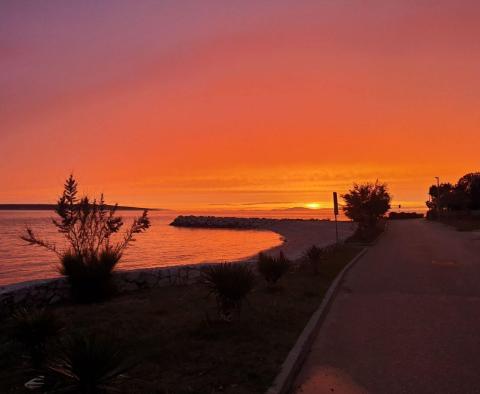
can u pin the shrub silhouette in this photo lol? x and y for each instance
(314, 256)
(272, 268)
(34, 328)
(366, 204)
(230, 283)
(89, 281)
(90, 254)
(88, 364)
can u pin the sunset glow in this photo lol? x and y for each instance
(313, 205)
(225, 196)
(255, 105)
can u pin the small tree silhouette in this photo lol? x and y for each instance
(366, 204)
(90, 254)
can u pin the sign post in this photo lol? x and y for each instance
(335, 212)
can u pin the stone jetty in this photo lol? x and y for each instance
(231, 222)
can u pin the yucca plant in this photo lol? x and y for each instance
(230, 283)
(34, 329)
(314, 257)
(90, 254)
(88, 364)
(272, 268)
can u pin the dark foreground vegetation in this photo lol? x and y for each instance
(457, 204)
(172, 339)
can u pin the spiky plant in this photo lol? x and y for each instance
(34, 328)
(89, 255)
(230, 283)
(314, 257)
(272, 268)
(88, 364)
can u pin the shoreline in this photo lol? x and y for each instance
(296, 236)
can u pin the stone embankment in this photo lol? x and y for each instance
(232, 222)
(40, 293)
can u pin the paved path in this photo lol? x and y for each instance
(406, 320)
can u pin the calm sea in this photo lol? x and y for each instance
(161, 245)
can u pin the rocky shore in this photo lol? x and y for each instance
(232, 222)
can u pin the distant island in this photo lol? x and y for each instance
(51, 207)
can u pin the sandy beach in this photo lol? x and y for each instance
(299, 235)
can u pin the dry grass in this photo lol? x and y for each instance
(181, 346)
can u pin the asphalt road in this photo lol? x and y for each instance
(406, 319)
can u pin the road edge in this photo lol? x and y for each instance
(297, 355)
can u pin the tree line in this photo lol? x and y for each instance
(462, 196)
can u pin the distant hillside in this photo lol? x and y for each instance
(51, 207)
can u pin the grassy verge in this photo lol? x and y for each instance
(370, 236)
(181, 346)
(461, 224)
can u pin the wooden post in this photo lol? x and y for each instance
(335, 212)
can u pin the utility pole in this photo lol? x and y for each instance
(438, 195)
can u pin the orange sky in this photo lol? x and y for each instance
(250, 104)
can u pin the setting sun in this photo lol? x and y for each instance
(313, 205)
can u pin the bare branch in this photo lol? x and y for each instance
(32, 239)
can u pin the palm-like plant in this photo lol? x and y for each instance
(272, 268)
(88, 364)
(314, 256)
(34, 328)
(230, 283)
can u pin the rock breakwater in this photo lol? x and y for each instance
(232, 222)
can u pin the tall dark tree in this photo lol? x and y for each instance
(470, 185)
(464, 195)
(441, 196)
